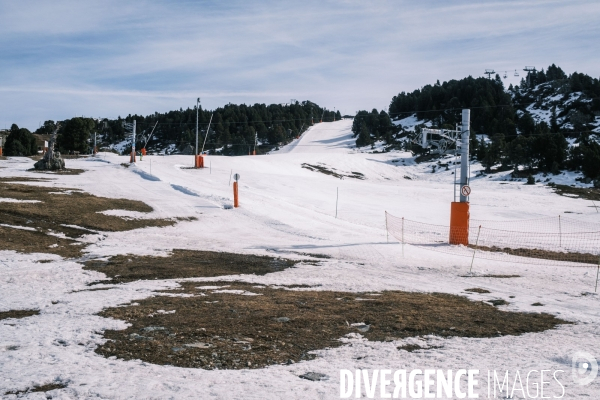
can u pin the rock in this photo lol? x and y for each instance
(55, 164)
(198, 345)
(154, 328)
(314, 376)
(362, 327)
(282, 319)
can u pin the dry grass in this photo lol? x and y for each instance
(232, 331)
(185, 264)
(581, 193)
(18, 314)
(38, 388)
(477, 290)
(34, 225)
(66, 171)
(584, 258)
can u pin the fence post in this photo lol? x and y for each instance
(337, 195)
(387, 233)
(475, 250)
(559, 232)
(402, 237)
(597, 272)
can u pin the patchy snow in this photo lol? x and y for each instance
(409, 123)
(8, 200)
(284, 210)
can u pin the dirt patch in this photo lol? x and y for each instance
(53, 217)
(18, 314)
(577, 193)
(583, 258)
(41, 388)
(477, 290)
(498, 302)
(332, 172)
(229, 325)
(426, 158)
(66, 171)
(414, 347)
(185, 264)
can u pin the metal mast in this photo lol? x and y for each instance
(197, 107)
(464, 153)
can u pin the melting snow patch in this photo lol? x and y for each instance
(24, 228)
(7, 200)
(236, 291)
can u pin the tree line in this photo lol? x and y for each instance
(503, 134)
(233, 130)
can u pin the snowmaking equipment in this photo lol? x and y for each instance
(198, 156)
(459, 210)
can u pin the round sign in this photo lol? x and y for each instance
(236, 177)
(465, 190)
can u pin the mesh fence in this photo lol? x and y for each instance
(546, 241)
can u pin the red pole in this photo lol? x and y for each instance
(236, 203)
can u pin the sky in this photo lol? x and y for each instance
(108, 58)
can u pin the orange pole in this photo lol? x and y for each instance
(0, 151)
(199, 161)
(459, 223)
(236, 203)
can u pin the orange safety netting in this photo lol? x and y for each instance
(546, 241)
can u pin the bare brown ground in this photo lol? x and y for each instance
(186, 264)
(584, 258)
(326, 171)
(66, 171)
(477, 290)
(18, 314)
(231, 330)
(32, 224)
(582, 193)
(40, 388)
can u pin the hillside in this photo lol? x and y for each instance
(547, 124)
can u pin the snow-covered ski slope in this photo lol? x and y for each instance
(287, 210)
(333, 137)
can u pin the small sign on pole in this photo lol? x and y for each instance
(465, 190)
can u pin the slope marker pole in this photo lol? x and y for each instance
(475, 250)
(337, 195)
(597, 272)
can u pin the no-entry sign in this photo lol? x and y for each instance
(465, 190)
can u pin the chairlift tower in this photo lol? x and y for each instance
(131, 125)
(489, 73)
(528, 70)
